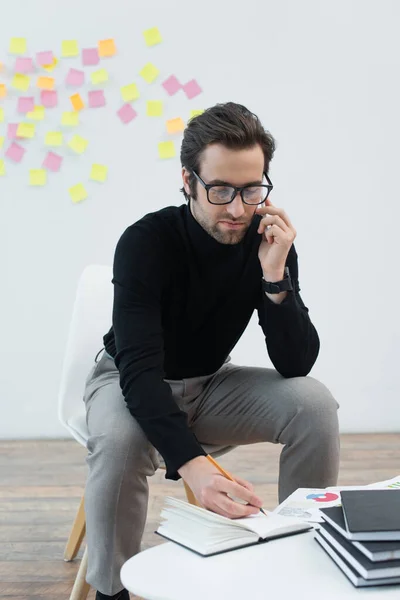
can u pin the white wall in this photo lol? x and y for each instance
(323, 77)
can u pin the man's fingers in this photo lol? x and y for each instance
(272, 220)
(233, 510)
(238, 491)
(273, 210)
(244, 483)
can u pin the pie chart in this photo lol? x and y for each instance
(323, 497)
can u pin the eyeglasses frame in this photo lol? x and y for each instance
(208, 186)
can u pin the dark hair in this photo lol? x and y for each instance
(229, 124)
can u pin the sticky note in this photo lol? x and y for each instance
(196, 113)
(23, 65)
(48, 98)
(152, 36)
(149, 72)
(77, 102)
(166, 149)
(99, 173)
(154, 108)
(96, 99)
(45, 83)
(53, 138)
(69, 48)
(52, 162)
(1, 115)
(107, 48)
(26, 104)
(2, 168)
(37, 114)
(17, 46)
(3, 90)
(44, 58)
(26, 130)
(130, 92)
(1, 140)
(15, 152)
(192, 89)
(78, 144)
(90, 56)
(100, 76)
(126, 113)
(21, 82)
(12, 131)
(51, 66)
(171, 85)
(37, 177)
(78, 192)
(175, 125)
(75, 77)
(70, 119)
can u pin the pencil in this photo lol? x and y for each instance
(227, 475)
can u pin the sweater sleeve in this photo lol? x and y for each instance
(138, 275)
(291, 339)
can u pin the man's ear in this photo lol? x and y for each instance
(185, 179)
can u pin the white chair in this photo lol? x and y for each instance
(91, 318)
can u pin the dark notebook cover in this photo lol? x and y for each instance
(369, 511)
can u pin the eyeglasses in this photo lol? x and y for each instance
(225, 194)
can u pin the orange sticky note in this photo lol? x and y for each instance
(107, 48)
(3, 90)
(175, 125)
(77, 102)
(45, 83)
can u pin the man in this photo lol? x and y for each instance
(186, 282)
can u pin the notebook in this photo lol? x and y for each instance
(372, 515)
(207, 533)
(356, 579)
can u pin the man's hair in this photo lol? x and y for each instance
(229, 124)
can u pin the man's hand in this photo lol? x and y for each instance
(211, 489)
(278, 235)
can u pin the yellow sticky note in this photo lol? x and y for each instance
(130, 92)
(54, 138)
(78, 192)
(1, 115)
(1, 66)
(21, 82)
(166, 149)
(2, 168)
(26, 130)
(78, 144)
(99, 76)
(1, 140)
(17, 46)
(70, 118)
(107, 48)
(37, 114)
(3, 90)
(196, 113)
(152, 36)
(99, 173)
(37, 176)
(175, 125)
(51, 67)
(69, 48)
(77, 102)
(149, 72)
(45, 83)
(154, 108)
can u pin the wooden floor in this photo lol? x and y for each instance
(41, 484)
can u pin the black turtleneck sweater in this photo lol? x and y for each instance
(182, 300)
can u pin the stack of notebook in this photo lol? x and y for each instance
(363, 536)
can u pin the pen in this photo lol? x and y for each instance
(227, 475)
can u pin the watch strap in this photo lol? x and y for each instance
(276, 287)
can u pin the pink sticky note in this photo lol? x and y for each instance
(15, 152)
(23, 65)
(75, 77)
(48, 98)
(26, 104)
(90, 56)
(126, 113)
(45, 58)
(96, 99)
(171, 85)
(12, 131)
(192, 89)
(52, 162)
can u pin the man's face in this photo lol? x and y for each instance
(226, 223)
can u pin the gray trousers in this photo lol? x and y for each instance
(234, 406)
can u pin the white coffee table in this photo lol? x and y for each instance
(294, 567)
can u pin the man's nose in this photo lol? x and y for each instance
(236, 207)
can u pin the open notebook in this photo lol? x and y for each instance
(207, 533)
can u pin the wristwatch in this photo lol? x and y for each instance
(285, 285)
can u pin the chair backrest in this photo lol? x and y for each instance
(91, 318)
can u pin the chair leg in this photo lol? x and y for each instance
(189, 494)
(81, 587)
(77, 533)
